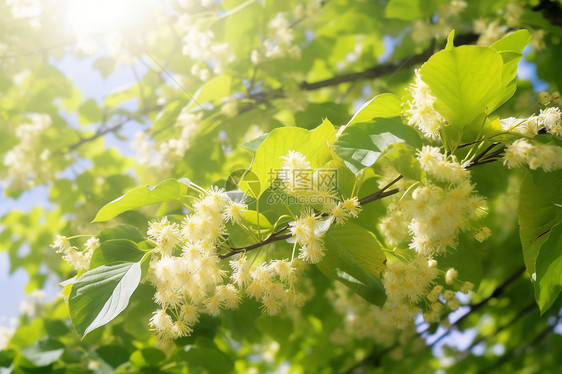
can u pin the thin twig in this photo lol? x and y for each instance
(475, 307)
(529, 308)
(519, 350)
(278, 235)
(374, 358)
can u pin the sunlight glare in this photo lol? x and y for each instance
(99, 17)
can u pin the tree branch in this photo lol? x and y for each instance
(278, 235)
(475, 307)
(374, 358)
(373, 72)
(529, 308)
(521, 349)
(101, 131)
(369, 73)
(380, 194)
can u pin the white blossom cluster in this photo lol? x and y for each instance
(361, 319)
(411, 286)
(308, 233)
(309, 228)
(6, 333)
(490, 31)
(272, 284)
(301, 179)
(80, 260)
(201, 46)
(24, 161)
(447, 17)
(193, 281)
(32, 305)
(26, 9)
(163, 156)
(421, 113)
(308, 10)
(280, 39)
(292, 164)
(438, 210)
(548, 118)
(536, 155)
(190, 280)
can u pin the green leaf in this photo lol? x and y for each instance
(7, 356)
(170, 189)
(167, 117)
(511, 49)
(120, 232)
(213, 360)
(253, 144)
(402, 157)
(515, 41)
(361, 144)
(385, 105)
(116, 250)
(113, 355)
(257, 219)
(407, 9)
(105, 65)
(538, 212)
(548, 282)
(465, 80)
(151, 357)
(99, 295)
(267, 159)
(313, 144)
(44, 352)
(317, 149)
(216, 88)
(354, 257)
(122, 94)
(450, 41)
(242, 321)
(89, 112)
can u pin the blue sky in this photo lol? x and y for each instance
(92, 85)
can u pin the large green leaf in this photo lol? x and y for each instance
(385, 105)
(105, 65)
(170, 189)
(216, 88)
(361, 144)
(166, 118)
(147, 357)
(402, 157)
(354, 257)
(267, 159)
(514, 42)
(317, 149)
(313, 144)
(120, 232)
(548, 282)
(540, 210)
(511, 51)
(253, 144)
(465, 80)
(116, 250)
(89, 112)
(44, 352)
(99, 295)
(210, 359)
(409, 9)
